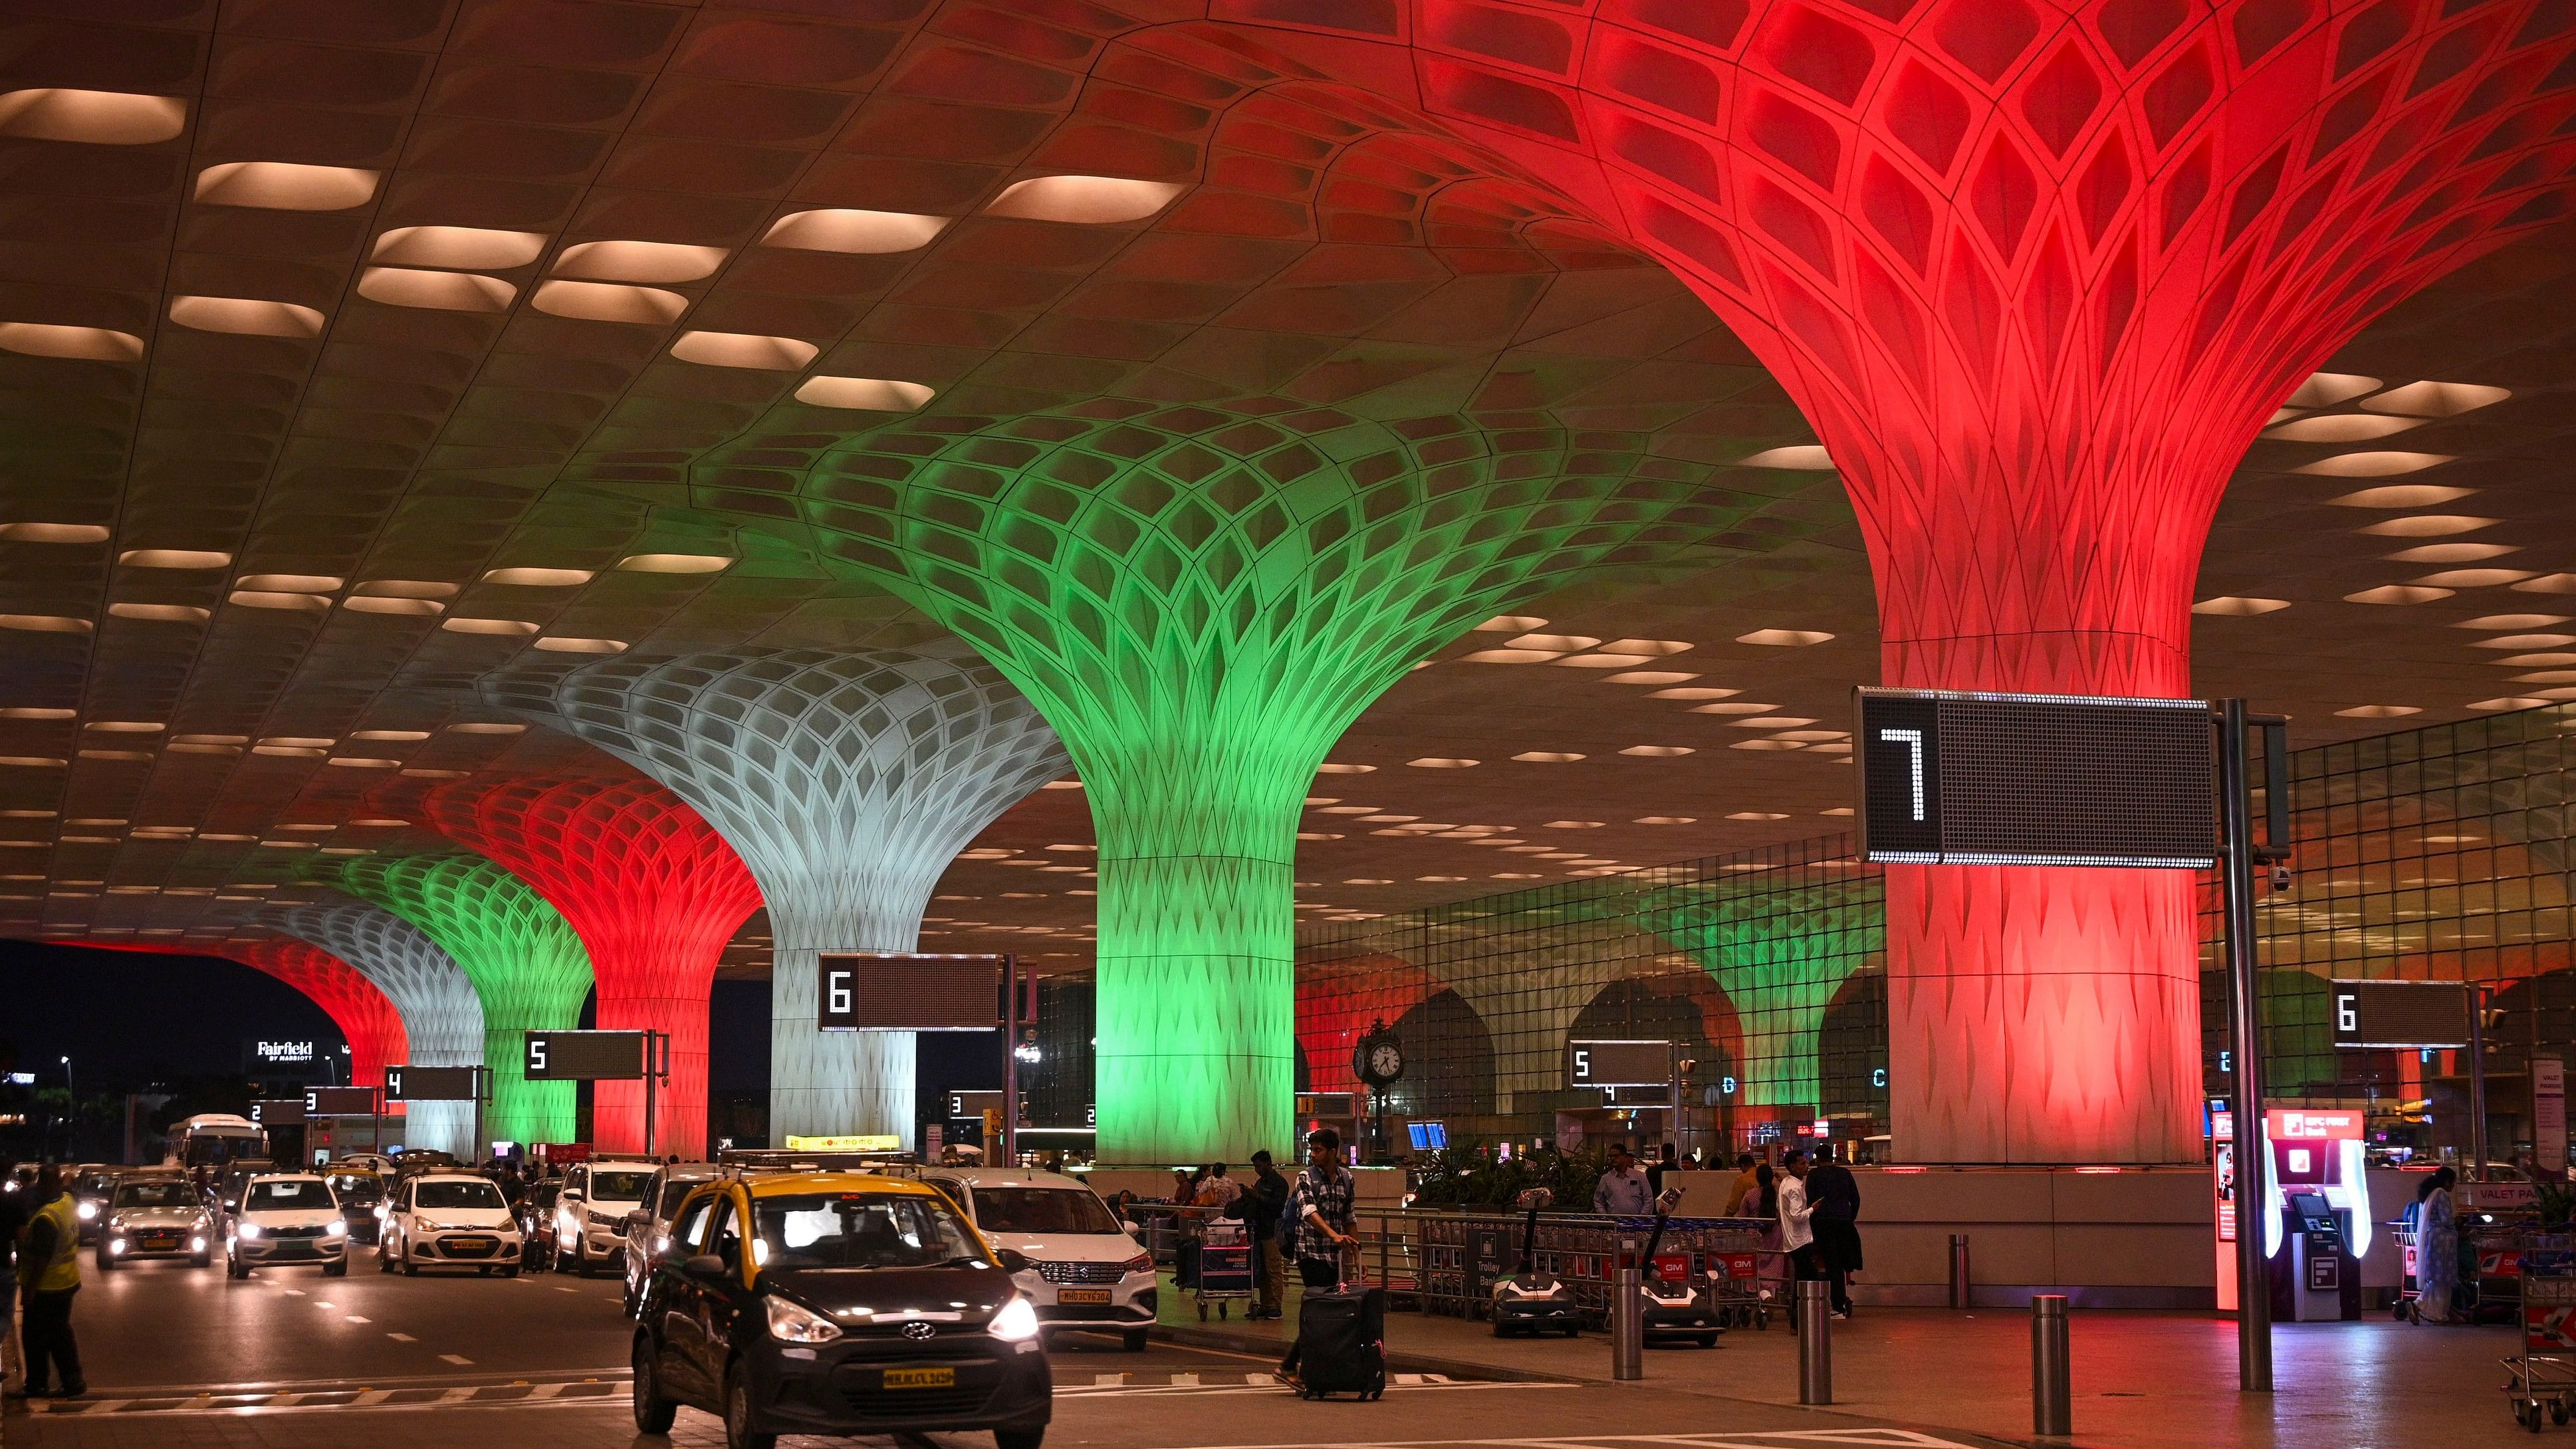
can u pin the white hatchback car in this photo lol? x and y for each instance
(1085, 1273)
(591, 1213)
(286, 1217)
(449, 1220)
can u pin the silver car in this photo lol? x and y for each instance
(157, 1216)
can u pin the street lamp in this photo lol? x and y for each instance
(67, 1073)
(71, 1111)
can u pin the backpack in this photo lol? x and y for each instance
(1289, 1217)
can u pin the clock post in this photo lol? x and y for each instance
(1378, 1061)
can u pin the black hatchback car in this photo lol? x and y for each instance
(837, 1303)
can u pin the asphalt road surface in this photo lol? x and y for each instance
(185, 1358)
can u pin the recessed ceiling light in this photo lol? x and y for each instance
(2452, 553)
(2379, 711)
(1784, 638)
(2534, 661)
(1331, 769)
(436, 291)
(160, 613)
(292, 583)
(1606, 660)
(1511, 656)
(2373, 465)
(2232, 606)
(1649, 676)
(1736, 707)
(360, 762)
(32, 762)
(1547, 757)
(854, 231)
(1087, 200)
(487, 727)
(272, 599)
(744, 349)
(467, 248)
(29, 712)
(2325, 389)
(1667, 820)
(1442, 762)
(2427, 525)
(296, 752)
(1757, 815)
(247, 316)
(1767, 745)
(2401, 495)
(2519, 701)
(97, 118)
(378, 604)
(1837, 810)
(1440, 877)
(2340, 428)
(1771, 721)
(637, 261)
(674, 563)
(1574, 825)
(567, 644)
(488, 626)
(211, 739)
(2525, 641)
(87, 344)
(865, 394)
(538, 578)
(2436, 399)
(1061, 785)
(285, 186)
(1799, 457)
(406, 589)
(125, 727)
(1553, 643)
(2474, 578)
(173, 558)
(615, 302)
(388, 735)
(2548, 584)
(2511, 621)
(2398, 594)
(1511, 624)
(1658, 752)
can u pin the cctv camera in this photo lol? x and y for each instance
(2280, 877)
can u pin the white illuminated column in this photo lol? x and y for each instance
(847, 782)
(442, 1017)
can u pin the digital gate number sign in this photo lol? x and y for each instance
(1953, 778)
(2419, 1014)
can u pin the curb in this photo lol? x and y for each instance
(1397, 1361)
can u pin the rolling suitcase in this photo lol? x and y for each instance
(1341, 1344)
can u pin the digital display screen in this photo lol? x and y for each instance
(1428, 1136)
(431, 1084)
(2418, 1014)
(1954, 778)
(873, 992)
(1618, 1063)
(585, 1056)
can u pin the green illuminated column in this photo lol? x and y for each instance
(1200, 602)
(1780, 954)
(521, 956)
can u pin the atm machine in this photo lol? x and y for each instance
(2317, 1224)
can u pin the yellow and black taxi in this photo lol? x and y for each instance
(839, 1303)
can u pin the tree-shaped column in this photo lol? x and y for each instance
(654, 894)
(524, 960)
(1201, 601)
(367, 1018)
(442, 1018)
(847, 782)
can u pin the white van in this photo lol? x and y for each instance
(1085, 1273)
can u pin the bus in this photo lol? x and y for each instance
(213, 1140)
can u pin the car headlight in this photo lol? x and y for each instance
(382, 1212)
(605, 1220)
(116, 1223)
(335, 1229)
(791, 1322)
(246, 1230)
(116, 1245)
(1141, 1263)
(661, 1242)
(87, 1211)
(1016, 1323)
(197, 1245)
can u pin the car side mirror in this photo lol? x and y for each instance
(1012, 1260)
(704, 1265)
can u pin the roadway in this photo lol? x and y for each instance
(185, 1358)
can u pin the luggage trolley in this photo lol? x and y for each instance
(1737, 1270)
(1225, 1265)
(2542, 1382)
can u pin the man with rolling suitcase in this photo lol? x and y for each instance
(1341, 1337)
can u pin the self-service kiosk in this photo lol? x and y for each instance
(2317, 1223)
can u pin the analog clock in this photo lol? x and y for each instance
(1379, 1059)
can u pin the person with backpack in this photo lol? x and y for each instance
(1325, 1194)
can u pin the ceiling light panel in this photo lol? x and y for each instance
(458, 248)
(96, 118)
(853, 231)
(436, 291)
(1084, 200)
(638, 261)
(286, 186)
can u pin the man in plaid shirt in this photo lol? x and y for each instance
(1323, 1205)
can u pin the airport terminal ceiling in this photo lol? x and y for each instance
(355, 359)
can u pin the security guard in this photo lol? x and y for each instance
(48, 1277)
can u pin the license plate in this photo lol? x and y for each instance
(157, 1243)
(469, 1245)
(1082, 1295)
(925, 1378)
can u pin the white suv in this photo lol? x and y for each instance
(286, 1217)
(1085, 1273)
(449, 1220)
(590, 1215)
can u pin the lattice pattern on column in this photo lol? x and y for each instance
(442, 1017)
(525, 962)
(1202, 600)
(366, 1017)
(1780, 956)
(654, 894)
(847, 782)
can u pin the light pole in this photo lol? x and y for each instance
(71, 1112)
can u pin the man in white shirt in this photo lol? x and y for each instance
(1623, 1191)
(1797, 1235)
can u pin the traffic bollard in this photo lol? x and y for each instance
(1815, 1343)
(1628, 1326)
(1959, 1270)
(2051, 1399)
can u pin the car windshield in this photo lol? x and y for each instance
(160, 1193)
(434, 1195)
(861, 1230)
(309, 1193)
(672, 1192)
(619, 1186)
(1042, 1210)
(354, 1187)
(94, 1183)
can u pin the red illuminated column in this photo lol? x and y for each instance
(2037, 273)
(654, 894)
(366, 1019)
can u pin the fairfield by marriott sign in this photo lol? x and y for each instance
(284, 1053)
